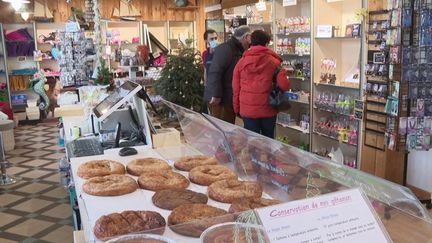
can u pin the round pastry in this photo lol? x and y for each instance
(207, 174)
(245, 204)
(229, 190)
(193, 219)
(110, 185)
(138, 166)
(100, 168)
(187, 163)
(172, 198)
(161, 180)
(128, 222)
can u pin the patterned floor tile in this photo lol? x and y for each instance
(62, 211)
(60, 233)
(58, 192)
(32, 205)
(29, 227)
(38, 145)
(53, 178)
(37, 153)
(34, 188)
(7, 198)
(36, 209)
(7, 218)
(37, 162)
(19, 151)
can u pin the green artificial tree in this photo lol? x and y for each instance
(104, 76)
(181, 80)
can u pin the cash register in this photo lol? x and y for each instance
(107, 114)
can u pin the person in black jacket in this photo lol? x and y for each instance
(218, 91)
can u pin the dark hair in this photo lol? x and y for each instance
(207, 32)
(260, 38)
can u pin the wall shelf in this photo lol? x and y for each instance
(336, 86)
(295, 128)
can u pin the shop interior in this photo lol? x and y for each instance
(105, 136)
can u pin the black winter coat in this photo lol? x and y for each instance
(220, 73)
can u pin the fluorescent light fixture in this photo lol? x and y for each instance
(16, 4)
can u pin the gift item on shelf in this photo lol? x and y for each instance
(328, 71)
(351, 162)
(300, 96)
(300, 24)
(297, 68)
(293, 46)
(342, 129)
(19, 43)
(336, 103)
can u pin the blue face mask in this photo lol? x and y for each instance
(213, 44)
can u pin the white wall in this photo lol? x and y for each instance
(420, 169)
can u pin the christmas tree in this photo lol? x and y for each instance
(103, 73)
(181, 80)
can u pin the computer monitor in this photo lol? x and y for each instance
(119, 96)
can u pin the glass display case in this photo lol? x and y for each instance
(284, 173)
(287, 173)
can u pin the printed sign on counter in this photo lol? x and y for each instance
(336, 218)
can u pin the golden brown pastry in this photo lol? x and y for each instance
(127, 222)
(110, 185)
(229, 190)
(161, 180)
(207, 174)
(138, 166)
(187, 163)
(100, 168)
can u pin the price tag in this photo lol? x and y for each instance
(287, 3)
(338, 217)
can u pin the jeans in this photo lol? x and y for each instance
(263, 126)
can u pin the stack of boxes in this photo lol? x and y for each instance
(32, 110)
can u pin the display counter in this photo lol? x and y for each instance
(283, 172)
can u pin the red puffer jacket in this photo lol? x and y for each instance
(252, 82)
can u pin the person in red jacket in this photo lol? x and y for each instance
(252, 83)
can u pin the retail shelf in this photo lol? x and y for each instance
(339, 38)
(376, 99)
(335, 139)
(336, 113)
(293, 55)
(19, 41)
(300, 102)
(297, 78)
(294, 33)
(378, 12)
(337, 86)
(295, 128)
(377, 81)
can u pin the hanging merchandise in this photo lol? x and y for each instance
(416, 126)
(72, 56)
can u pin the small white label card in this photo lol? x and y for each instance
(261, 6)
(338, 217)
(324, 31)
(287, 3)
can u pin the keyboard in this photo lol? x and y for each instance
(84, 147)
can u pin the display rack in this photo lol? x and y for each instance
(4, 83)
(47, 62)
(292, 37)
(383, 93)
(337, 78)
(21, 67)
(120, 36)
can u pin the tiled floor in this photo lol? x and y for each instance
(37, 208)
